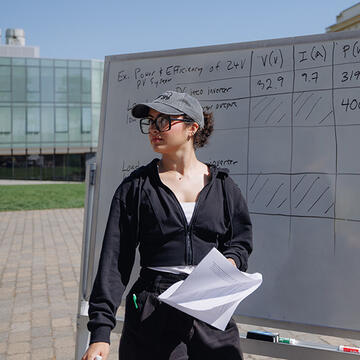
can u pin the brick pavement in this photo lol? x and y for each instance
(40, 253)
(39, 269)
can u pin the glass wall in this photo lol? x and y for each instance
(50, 104)
(68, 167)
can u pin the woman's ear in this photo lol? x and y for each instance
(194, 128)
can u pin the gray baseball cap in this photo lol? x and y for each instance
(172, 103)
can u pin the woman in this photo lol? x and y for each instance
(176, 209)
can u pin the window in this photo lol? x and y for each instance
(47, 123)
(74, 63)
(86, 120)
(19, 163)
(6, 167)
(74, 85)
(86, 81)
(5, 120)
(33, 81)
(18, 61)
(19, 122)
(60, 80)
(75, 118)
(5, 96)
(19, 83)
(61, 120)
(96, 85)
(5, 80)
(33, 120)
(5, 61)
(60, 63)
(47, 84)
(74, 167)
(47, 62)
(32, 62)
(5, 83)
(48, 167)
(85, 63)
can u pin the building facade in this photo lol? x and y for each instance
(348, 19)
(49, 117)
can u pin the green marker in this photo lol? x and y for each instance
(287, 341)
(135, 303)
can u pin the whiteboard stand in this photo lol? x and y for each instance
(87, 264)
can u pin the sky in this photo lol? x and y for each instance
(91, 29)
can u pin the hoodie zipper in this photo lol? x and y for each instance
(189, 252)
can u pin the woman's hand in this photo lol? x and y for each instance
(97, 348)
(232, 261)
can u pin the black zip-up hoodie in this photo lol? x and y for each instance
(145, 212)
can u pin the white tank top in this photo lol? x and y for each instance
(188, 208)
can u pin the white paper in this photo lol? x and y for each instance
(212, 291)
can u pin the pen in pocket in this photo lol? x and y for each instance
(135, 303)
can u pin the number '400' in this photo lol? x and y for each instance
(350, 105)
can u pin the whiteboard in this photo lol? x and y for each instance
(287, 116)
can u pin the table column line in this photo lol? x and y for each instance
(291, 143)
(336, 141)
(248, 128)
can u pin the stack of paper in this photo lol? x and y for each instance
(212, 291)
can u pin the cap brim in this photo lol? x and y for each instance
(142, 110)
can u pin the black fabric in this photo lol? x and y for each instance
(155, 330)
(144, 212)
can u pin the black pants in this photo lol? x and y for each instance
(155, 330)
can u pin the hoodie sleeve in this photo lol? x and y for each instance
(238, 242)
(115, 265)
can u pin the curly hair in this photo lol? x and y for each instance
(201, 137)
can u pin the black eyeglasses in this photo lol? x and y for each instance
(162, 123)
